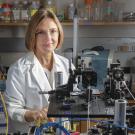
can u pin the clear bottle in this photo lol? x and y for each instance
(97, 10)
(88, 10)
(108, 11)
(1, 10)
(71, 11)
(7, 12)
(24, 11)
(34, 7)
(16, 11)
(50, 4)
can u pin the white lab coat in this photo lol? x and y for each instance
(24, 81)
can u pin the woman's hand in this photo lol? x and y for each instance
(38, 115)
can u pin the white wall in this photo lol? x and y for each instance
(108, 36)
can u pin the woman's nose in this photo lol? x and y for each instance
(48, 36)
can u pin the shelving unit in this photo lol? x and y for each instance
(2, 23)
(105, 23)
(69, 23)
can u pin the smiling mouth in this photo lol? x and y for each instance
(48, 44)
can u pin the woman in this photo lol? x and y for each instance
(35, 72)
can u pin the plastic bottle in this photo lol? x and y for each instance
(16, 11)
(1, 10)
(50, 4)
(34, 7)
(71, 10)
(88, 10)
(108, 11)
(7, 12)
(24, 11)
(96, 10)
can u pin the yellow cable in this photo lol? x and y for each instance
(39, 122)
(5, 111)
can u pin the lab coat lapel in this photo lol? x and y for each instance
(40, 77)
(58, 65)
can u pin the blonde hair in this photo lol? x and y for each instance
(30, 37)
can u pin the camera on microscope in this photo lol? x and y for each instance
(116, 72)
(89, 78)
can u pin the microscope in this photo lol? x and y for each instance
(115, 84)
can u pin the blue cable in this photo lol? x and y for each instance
(57, 125)
(50, 124)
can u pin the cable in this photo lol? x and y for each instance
(50, 124)
(88, 122)
(5, 111)
(128, 89)
(57, 125)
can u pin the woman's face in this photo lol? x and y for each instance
(47, 35)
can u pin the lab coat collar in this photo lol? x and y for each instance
(38, 72)
(31, 59)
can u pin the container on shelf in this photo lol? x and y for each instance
(123, 48)
(88, 10)
(129, 16)
(71, 10)
(50, 4)
(34, 7)
(16, 11)
(61, 15)
(118, 10)
(1, 10)
(25, 11)
(97, 10)
(6, 12)
(108, 12)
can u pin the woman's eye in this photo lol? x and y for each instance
(40, 33)
(53, 31)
